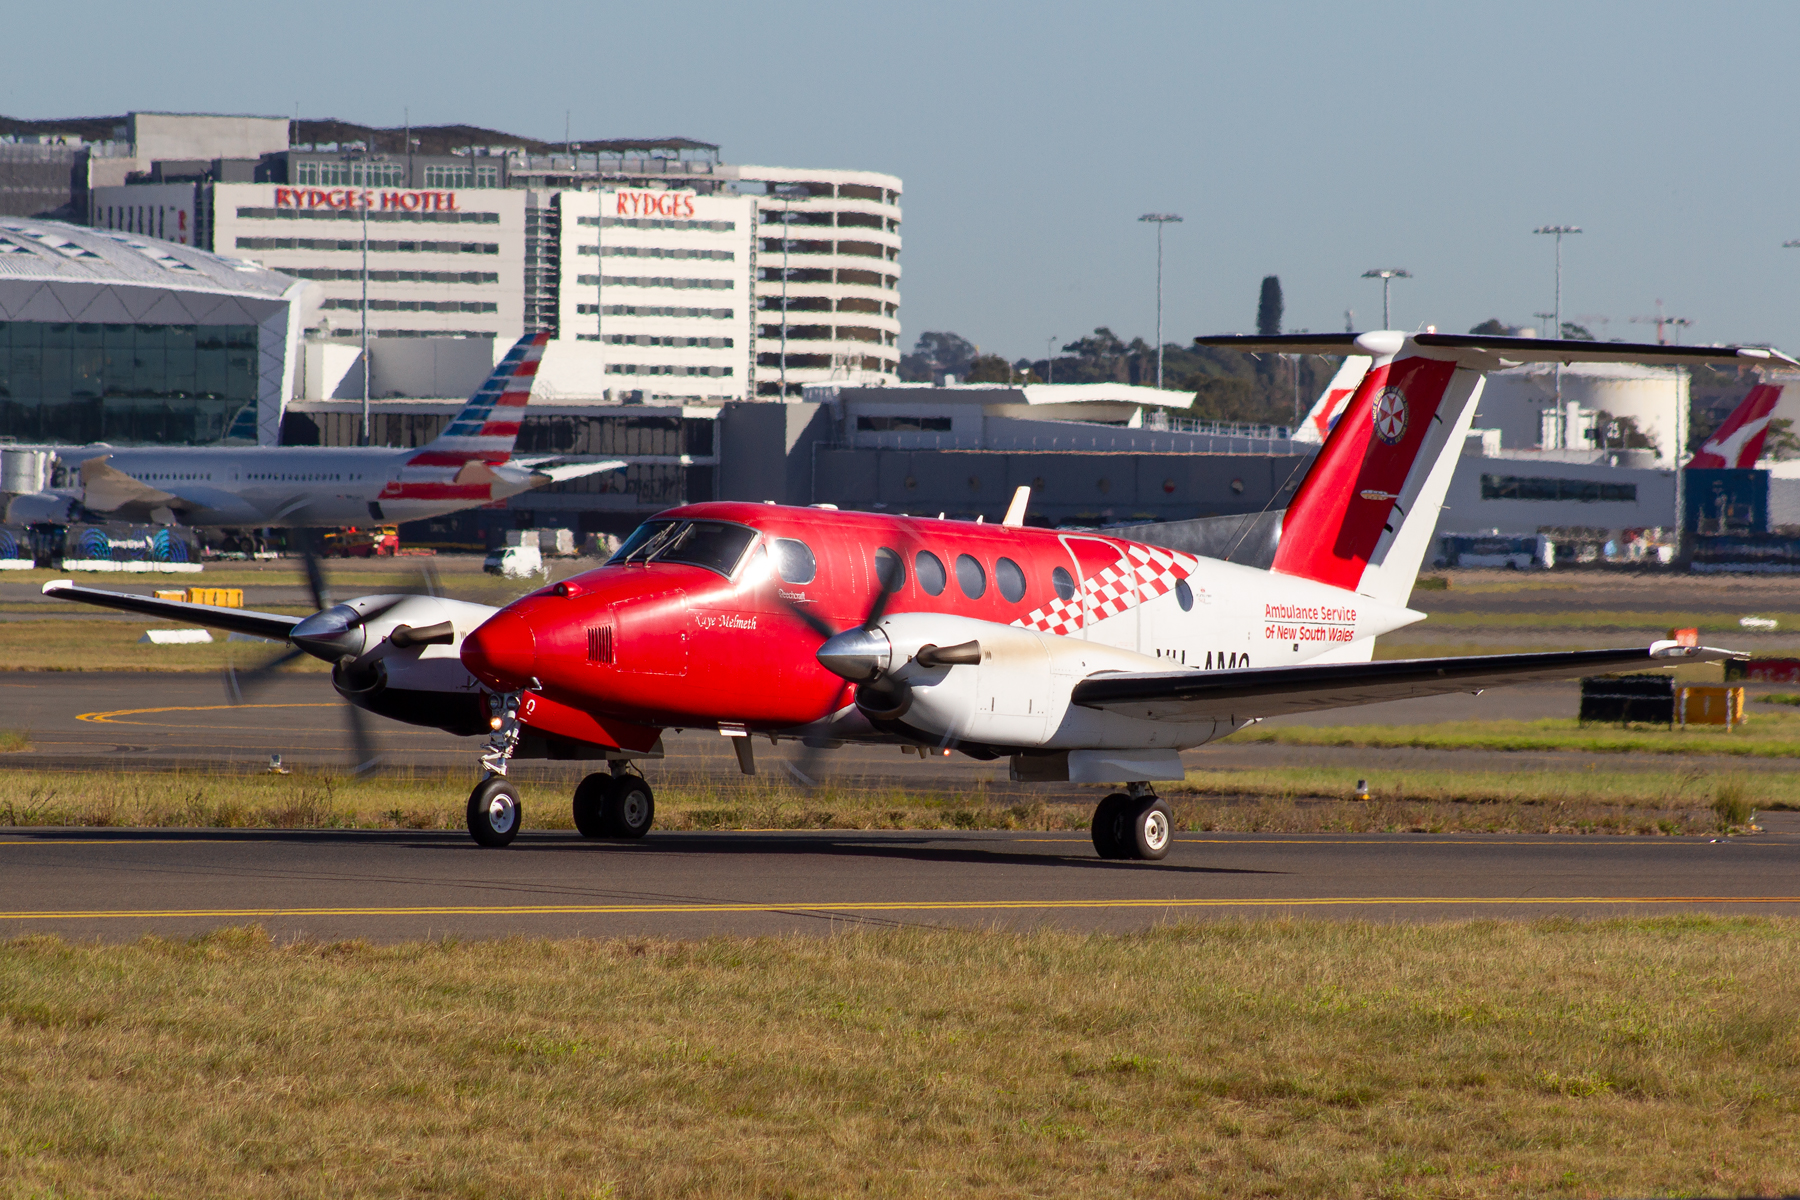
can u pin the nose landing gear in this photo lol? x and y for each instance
(1135, 823)
(494, 811)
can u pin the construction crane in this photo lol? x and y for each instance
(1659, 320)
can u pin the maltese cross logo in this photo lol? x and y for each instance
(1390, 415)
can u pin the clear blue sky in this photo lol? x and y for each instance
(1308, 140)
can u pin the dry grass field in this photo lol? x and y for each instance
(1768, 732)
(1293, 800)
(1266, 1058)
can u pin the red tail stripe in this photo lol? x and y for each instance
(455, 458)
(1338, 516)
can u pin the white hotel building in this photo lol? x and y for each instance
(654, 291)
(707, 281)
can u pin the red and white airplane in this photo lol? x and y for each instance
(1738, 443)
(469, 464)
(1336, 397)
(1075, 655)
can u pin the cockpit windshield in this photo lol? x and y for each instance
(715, 545)
(640, 537)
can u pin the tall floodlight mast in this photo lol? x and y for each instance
(1387, 275)
(1557, 330)
(1159, 220)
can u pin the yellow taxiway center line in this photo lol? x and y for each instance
(475, 910)
(106, 718)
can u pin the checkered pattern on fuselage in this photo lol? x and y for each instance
(1142, 573)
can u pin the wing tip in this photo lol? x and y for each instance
(57, 584)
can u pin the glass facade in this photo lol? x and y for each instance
(156, 384)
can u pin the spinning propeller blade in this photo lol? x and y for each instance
(805, 770)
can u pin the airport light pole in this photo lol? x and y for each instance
(1159, 220)
(1558, 231)
(1049, 359)
(1387, 275)
(1557, 331)
(365, 319)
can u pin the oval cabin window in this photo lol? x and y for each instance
(929, 569)
(890, 570)
(1010, 580)
(794, 561)
(970, 577)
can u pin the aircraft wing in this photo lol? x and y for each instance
(1277, 691)
(1502, 349)
(235, 620)
(105, 488)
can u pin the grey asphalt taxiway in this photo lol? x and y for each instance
(386, 886)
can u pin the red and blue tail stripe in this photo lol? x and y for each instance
(488, 425)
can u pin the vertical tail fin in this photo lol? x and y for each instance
(1364, 516)
(1324, 414)
(488, 425)
(1738, 443)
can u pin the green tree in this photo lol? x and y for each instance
(935, 355)
(993, 368)
(1494, 327)
(1268, 308)
(1781, 443)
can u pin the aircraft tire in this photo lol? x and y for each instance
(590, 805)
(630, 807)
(1152, 829)
(494, 812)
(1111, 830)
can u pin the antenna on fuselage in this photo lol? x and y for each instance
(1015, 512)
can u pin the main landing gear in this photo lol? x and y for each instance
(1135, 823)
(614, 806)
(606, 806)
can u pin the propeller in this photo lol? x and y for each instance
(327, 632)
(805, 770)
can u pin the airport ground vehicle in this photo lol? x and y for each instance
(361, 541)
(1077, 656)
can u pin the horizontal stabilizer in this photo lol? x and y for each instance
(236, 620)
(566, 471)
(1190, 695)
(1501, 351)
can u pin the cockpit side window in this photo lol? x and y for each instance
(794, 561)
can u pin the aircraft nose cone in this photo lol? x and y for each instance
(857, 654)
(502, 652)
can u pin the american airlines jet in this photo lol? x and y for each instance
(469, 464)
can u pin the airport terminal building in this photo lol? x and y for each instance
(115, 337)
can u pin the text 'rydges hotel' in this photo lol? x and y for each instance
(662, 273)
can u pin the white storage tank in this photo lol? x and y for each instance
(1521, 403)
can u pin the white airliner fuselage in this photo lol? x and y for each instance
(468, 465)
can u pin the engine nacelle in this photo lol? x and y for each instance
(418, 684)
(1016, 695)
